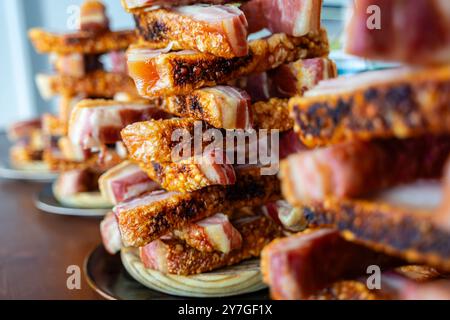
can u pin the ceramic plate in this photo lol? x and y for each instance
(46, 201)
(8, 172)
(108, 277)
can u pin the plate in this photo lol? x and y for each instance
(46, 201)
(38, 175)
(232, 281)
(107, 276)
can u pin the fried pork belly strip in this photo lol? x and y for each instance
(152, 141)
(109, 230)
(93, 17)
(209, 169)
(158, 72)
(95, 123)
(218, 30)
(81, 42)
(215, 233)
(229, 108)
(393, 287)
(293, 17)
(413, 32)
(96, 84)
(57, 162)
(151, 216)
(130, 5)
(287, 80)
(176, 257)
(290, 218)
(168, 141)
(298, 266)
(23, 129)
(124, 182)
(395, 230)
(355, 169)
(76, 181)
(220, 106)
(402, 102)
(75, 65)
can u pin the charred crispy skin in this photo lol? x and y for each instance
(221, 107)
(20, 154)
(355, 169)
(272, 114)
(159, 28)
(392, 230)
(183, 73)
(95, 84)
(186, 177)
(144, 224)
(151, 141)
(131, 5)
(182, 259)
(409, 106)
(81, 42)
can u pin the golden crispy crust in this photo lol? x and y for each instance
(159, 28)
(152, 140)
(202, 105)
(392, 230)
(185, 260)
(95, 84)
(180, 177)
(410, 106)
(81, 42)
(144, 224)
(272, 114)
(183, 74)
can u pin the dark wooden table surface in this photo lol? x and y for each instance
(37, 248)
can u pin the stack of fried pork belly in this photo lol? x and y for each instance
(196, 63)
(88, 63)
(369, 185)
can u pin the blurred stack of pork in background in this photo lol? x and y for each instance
(88, 63)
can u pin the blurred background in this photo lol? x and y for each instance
(19, 98)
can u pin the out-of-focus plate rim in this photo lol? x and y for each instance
(10, 173)
(64, 210)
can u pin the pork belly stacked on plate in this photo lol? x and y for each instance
(27, 150)
(196, 63)
(368, 186)
(88, 63)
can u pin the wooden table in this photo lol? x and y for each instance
(37, 248)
